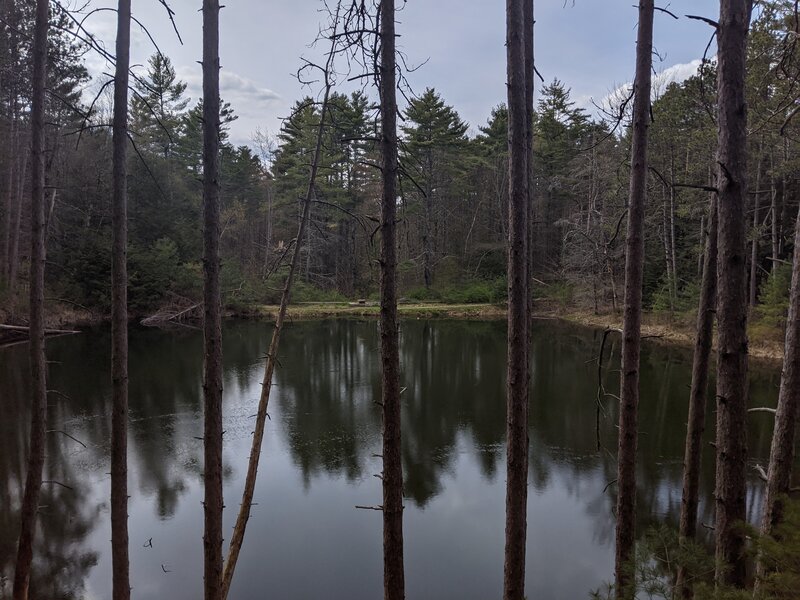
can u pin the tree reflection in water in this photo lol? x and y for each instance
(319, 458)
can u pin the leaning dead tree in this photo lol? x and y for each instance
(212, 323)
(393, 568)
(781, 458)
(38, 361)
(624, 582)
(243, 517)
(698, 395)
(731, 463)
(518, 377)
(119, 313)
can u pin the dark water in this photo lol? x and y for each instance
(305, 538)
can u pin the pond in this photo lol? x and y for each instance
(306, 539)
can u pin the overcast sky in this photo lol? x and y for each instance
(588, 44)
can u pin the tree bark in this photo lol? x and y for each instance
(212, 323)
(732, 294)
(38, 362)
(782, 452)
(518, 306)
(632, 318)
(119, 313)
(698, 394)
(393, 569)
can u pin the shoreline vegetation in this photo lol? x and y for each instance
(766, 343)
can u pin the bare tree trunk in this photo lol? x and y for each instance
(518, 305)
(698, 395)
(673, 251)
(732, 294)
(38, 362)
(782, 453)
(5, 265)
(237, 539)
(667, 257)
(701, 253)
(16, 222)
(775, 231)
(393, 568)
(529, 91)
(632, 318)
(753, 295)
(212, 324)
(119, 313)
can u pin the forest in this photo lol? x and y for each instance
(124, 201)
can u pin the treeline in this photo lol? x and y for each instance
(453, 190)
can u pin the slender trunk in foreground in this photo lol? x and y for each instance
(698, 394)
(781, 458)
(518, 307)
(272, 355)
(393, 568)
(212, 323)
(38, 362)
(632, 318)
(731, 561)
(119, 314)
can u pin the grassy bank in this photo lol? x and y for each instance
(422, 310)
(766, 343)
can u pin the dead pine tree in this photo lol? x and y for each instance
(731, 438)
(393, 569)
(212, 322)
(518, 375)
(119, 313)
(698, 394)
(38, 362)
(624, 583)
(529, 92)
(782, 453)
(237, 539)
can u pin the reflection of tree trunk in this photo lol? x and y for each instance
(632, 319)
(33, 480)
(783, 440)
(393, 569)
(518, 304)
(119, 313)
(732, 294)
(212, 322)
(698, 394)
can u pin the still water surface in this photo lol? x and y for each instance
(305, 538)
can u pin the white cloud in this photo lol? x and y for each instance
(674, 74)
